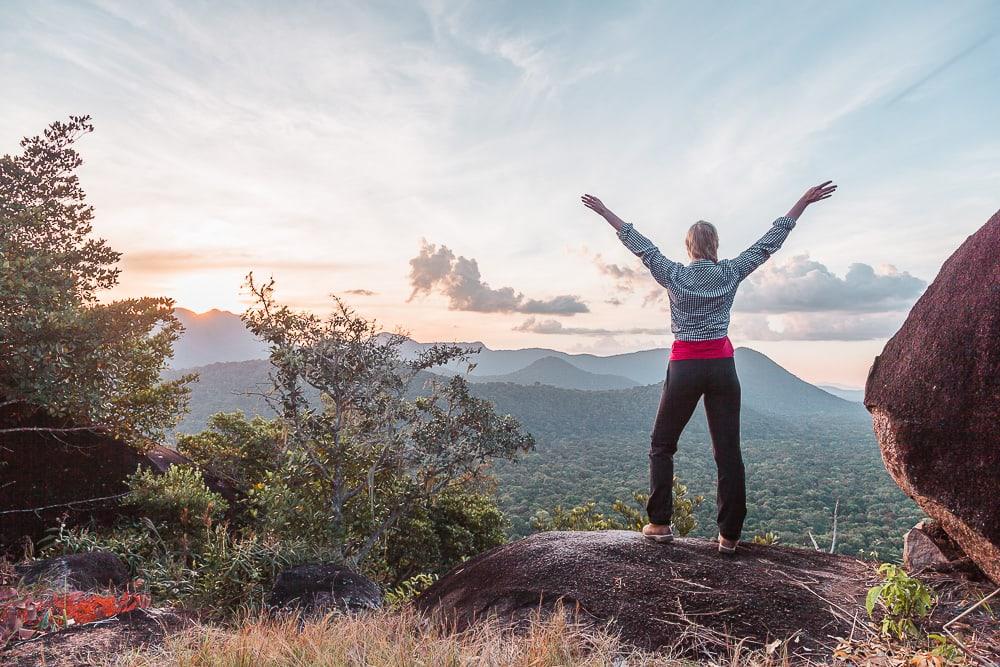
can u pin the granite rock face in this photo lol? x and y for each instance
(73, 476)
(323, 587)
(88, 571)
(658, 595)
(934, 396)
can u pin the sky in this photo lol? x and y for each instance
(424, 160)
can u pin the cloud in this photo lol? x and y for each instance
(168, 261)
(829, 326)
(361, 292)
(940, 68)
(800, 284)
(624, 277)
(459, 279)
(532, 325)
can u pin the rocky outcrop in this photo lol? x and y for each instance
(660, 595)
(90, 571)
(322, 587)
(934, 396)
(72, 474)
(95, 643)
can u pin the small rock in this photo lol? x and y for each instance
(322, 587)
(91, 571)
(920, 552)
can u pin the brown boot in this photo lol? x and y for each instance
(658, 532)
(727, 546)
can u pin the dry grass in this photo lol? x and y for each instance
(405, 639)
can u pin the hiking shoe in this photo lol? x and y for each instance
(658, 532)
(726, 549)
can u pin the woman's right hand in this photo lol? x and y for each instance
(596, 205)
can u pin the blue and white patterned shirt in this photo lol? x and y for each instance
(702, 292)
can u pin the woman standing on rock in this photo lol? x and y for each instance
(701, 358)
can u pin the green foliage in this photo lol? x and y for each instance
(363, 476)
(177, 495)
(218, 574)
(408, 589)
(438, 533)
(903, 599)
(594, 446)
(238, 450)
(61, 349)
(367, 443)
(767, 538)
(177, 502)
(630, 516)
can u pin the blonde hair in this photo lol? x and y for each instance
(703, 241)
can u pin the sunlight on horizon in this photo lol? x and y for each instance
(369, 135)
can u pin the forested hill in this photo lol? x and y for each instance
(559, 373)
(804, 450)
(533, 395)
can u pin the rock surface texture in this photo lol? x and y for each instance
(95, 643)
(681, 594)
(934, 396)
(921, 552)
(76, 475)
(90, 571)
(320, 587)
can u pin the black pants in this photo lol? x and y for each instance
(687, 381)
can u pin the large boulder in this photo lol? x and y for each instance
(88, 571)
(659, 595)
(324, 587)
(71, 474)
(934, 396)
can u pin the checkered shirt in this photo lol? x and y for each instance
(702, 292)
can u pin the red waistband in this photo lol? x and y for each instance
(717, 348)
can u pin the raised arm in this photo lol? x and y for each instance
(751, 258)
(659, 266)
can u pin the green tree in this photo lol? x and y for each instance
(89, 364)
(238, 450)
(367, 451)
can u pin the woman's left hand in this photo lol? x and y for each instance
(812, 195)
(595, 204)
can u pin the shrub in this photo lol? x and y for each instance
(176, 499)
(631, 516)
(903, 599)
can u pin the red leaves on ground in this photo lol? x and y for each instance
(24, 618)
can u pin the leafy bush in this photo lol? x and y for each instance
(631, 516)
(903, 599)
(238, 450)
(409, 589)
(360, 475)
(177, 500)
(217, 575)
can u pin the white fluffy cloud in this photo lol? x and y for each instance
(459, 279)
(800, 285)
(839, 326)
